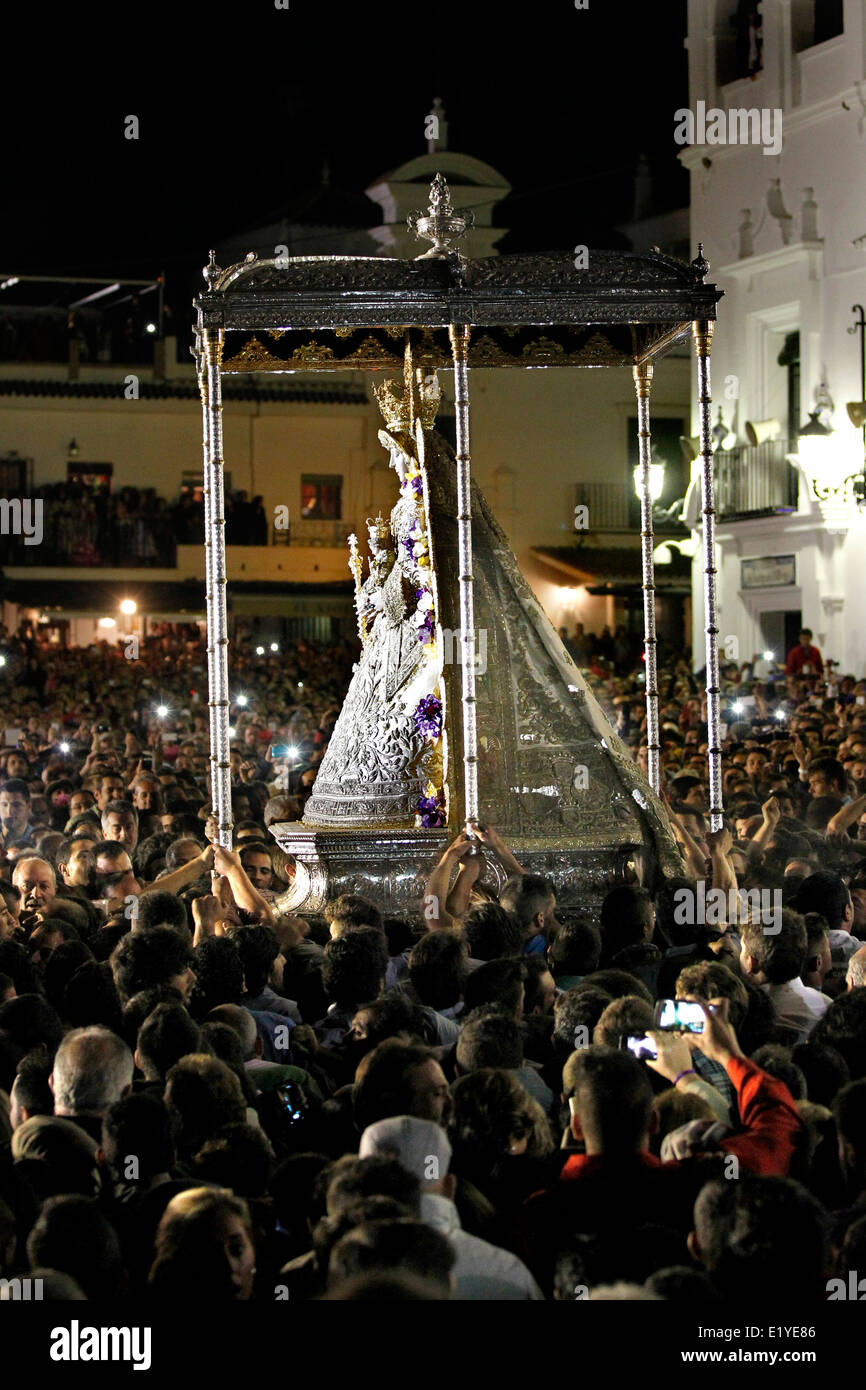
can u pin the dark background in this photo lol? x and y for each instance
(240, 104)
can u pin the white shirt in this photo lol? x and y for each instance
(484, 1272)
(816, 1002)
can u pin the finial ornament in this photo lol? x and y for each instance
(440, 223)
(211, 271)
(700, 265)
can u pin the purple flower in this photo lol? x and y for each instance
(428, 716)
(426, 627)
(431, 810)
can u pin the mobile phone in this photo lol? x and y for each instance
(13, 736)
(642, 1048)
(146, 761)
(281, 750)
(678, 1016)
(860, 699)
(292, 1101)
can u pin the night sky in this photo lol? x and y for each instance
(240, 105)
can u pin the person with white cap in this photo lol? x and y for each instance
(483, 1271)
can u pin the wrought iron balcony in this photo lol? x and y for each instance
(614, 507)
(756, 480)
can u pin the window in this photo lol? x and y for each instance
(92, 475)
(321, 497)
(814, 22)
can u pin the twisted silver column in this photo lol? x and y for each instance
(643, 377)
(702, 336)
(208, 579)
(459, 335)
(215, 570)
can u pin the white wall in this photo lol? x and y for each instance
(810, 287)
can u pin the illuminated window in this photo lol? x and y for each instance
(321, 497)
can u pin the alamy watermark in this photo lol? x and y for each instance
(453, 642)
(77, 1343)
(714, 907)
(21, 1290)
(22, 517)
(738, 126)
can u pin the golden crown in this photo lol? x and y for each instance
(395, 405)
(378, 530)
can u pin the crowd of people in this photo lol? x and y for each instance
(204, 1097)
(90, 525)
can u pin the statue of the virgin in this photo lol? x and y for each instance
(384, 764)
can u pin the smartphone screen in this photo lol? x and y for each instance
(291, 1100)
(642, 1048)
(678, 1015)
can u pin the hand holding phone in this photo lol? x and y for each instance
(673, 1054)
(718, 1040)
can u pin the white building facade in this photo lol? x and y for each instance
(777, 197)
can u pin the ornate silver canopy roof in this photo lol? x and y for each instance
(336, 313)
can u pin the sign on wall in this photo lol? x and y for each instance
(768, 572)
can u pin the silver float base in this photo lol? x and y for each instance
(392, 868)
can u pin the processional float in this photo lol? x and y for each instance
(431, 736)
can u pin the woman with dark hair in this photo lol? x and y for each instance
(204, 1248)
(501, 1140)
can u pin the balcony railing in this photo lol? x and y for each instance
(756, 480)
(80, 536)
(614, 507)
(606, 503)
(317, 533)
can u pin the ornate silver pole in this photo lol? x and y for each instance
(459, 335)
(218, 657)
(643, 377)
(208, 579)
(702, 335)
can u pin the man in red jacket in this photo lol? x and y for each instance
(617, 1186)
(804, 659)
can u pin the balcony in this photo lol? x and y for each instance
(613, 507)
(755, 481)
(313, 533)
(74, 534)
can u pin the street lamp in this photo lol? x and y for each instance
(656, 481)
(824, 465)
